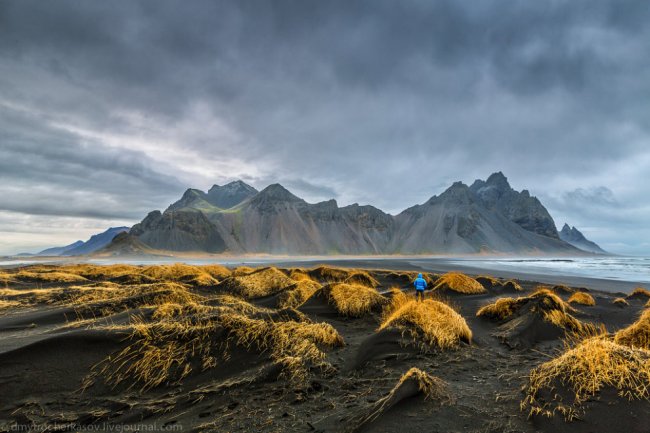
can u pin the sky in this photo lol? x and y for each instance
(109, 110)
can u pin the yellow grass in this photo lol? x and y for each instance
(363, 278)
(639, 293)
(299, 275)
(297, 294)
(430, 386)
(241, 271)
(488, 280)
(459, 283)
(49, 277)
(354, 300)
(594, 364)
(562, 288)
(330, 274)
(620, 302)
(182, 273)
(582, 298)
(168, 350)
(636, 335)
(432, 322)
(263, 282)
(545, 303)
(512, 285)
(116, 298)
(5, 305)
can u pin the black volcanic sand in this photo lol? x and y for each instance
(43, 366)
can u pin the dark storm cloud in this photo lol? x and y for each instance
(122, 105)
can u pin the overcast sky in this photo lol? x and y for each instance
(111, 109)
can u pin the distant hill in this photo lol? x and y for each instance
(93, 244)
(58, 251)
(488, 216)
(573, 236)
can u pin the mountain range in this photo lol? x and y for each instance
(487, 217)
(95, 243)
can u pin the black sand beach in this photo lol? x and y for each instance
(58, 352)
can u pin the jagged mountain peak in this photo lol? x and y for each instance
(235, 185)
(499, 180)
(278, 193)
(575, 237)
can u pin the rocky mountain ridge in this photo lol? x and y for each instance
(487, 217)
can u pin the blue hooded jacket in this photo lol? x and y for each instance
(420, 283)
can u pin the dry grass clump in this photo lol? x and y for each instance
(241, 271)
(432, 322)
(637, 334)
(513, 285)
(48, 277)
(330, 274)
(353, 300)
(112, 298)
(430, 386)
(582, 298)
(544, 303)
(182, 273)
(620, 302)
(459, 283)
(582, 372)
(263, 282)
(562, 288)
(299, 275)
(297, 294)
(5, 305)
(639, 293)
(170, 349)
(217, 272)
(363, 278)
(488, 281)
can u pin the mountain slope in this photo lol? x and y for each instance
(57, 251)
(458, 222)
(574, 237)
(96, 242)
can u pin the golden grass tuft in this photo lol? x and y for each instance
(5, 305)
(353, 300)
(562, 288)
(620, 302)
(115, 298)
(459, 283)
(217, 272)
(330, 274)
(297, 294)
(168, 350)
(639, 293)
(544, 303)
(594, 364)
(582, 298)
(263, 282)
(430, 386)
(637, 334)
(48, 277)
(432, 322)
(513, 285)
(488, 281)
(179, 272)
(363, 278)
(299, 275)
(241, 271)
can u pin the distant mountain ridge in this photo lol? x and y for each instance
(574, 237)
(95, 243)
(488, 216)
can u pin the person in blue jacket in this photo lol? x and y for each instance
(420, 284)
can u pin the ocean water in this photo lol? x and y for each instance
(608, 268)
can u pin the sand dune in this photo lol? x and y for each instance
(208, 348)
